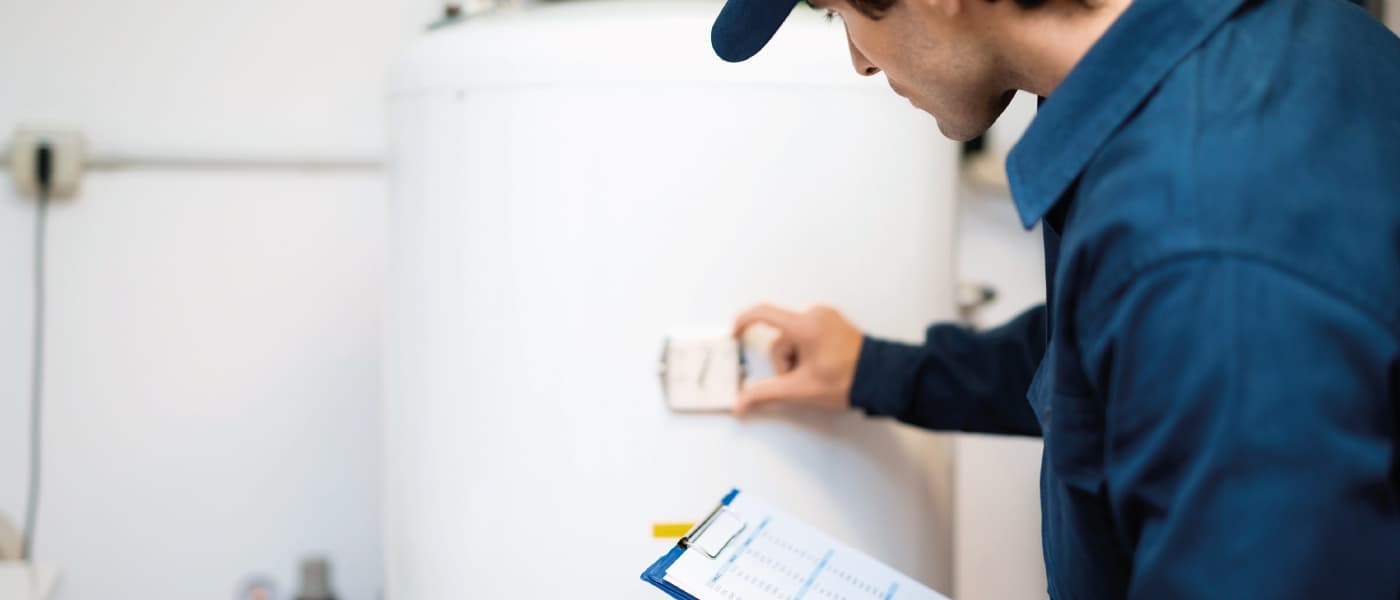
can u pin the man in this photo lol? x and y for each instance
(1216, 370)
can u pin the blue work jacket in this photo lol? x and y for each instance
(1216, 370)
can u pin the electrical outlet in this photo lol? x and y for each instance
(69, 154)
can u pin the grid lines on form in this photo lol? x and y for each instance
(734, 557)
(767, 566)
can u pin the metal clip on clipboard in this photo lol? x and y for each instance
(712, 535)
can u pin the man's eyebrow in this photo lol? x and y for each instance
(813, 3)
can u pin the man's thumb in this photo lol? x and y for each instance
(780, 389)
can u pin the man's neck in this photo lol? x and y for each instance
(1041, 46)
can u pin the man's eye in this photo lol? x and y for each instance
(828, 13)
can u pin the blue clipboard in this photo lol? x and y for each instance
(656, 573)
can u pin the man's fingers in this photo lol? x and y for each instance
(783, 353)
(782, 319)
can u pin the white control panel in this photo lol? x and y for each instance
(703, 373)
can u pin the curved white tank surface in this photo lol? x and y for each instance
(571, 182)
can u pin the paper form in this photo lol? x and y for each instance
(777, 557)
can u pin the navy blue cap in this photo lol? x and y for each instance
(744, 26)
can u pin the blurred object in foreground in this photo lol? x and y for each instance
(315, 580)
(23, 581)
(257, 587)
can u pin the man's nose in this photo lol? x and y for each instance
(862, 64)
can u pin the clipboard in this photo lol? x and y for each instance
(710, 536)
(751, 549)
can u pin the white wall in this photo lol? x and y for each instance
(212, 405)
(213, 375)
(270, 76)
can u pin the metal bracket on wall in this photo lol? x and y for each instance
(972, 298)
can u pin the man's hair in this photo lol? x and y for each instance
(876, 8)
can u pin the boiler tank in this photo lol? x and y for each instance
(572, 181)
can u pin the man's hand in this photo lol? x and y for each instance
(814, 358)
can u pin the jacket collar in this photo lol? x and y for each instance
(1101, 92)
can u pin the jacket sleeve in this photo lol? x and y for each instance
(1250, 443)
(959, 379)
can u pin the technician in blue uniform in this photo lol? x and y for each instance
(1216, 370)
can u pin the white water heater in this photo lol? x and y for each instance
(572, 181)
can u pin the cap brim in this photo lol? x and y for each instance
(745, 26)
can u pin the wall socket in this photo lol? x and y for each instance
(69, 155)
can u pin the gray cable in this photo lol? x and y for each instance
(36, 378)
(224, 163)
(194, 162)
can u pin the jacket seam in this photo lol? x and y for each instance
(1122, 283)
